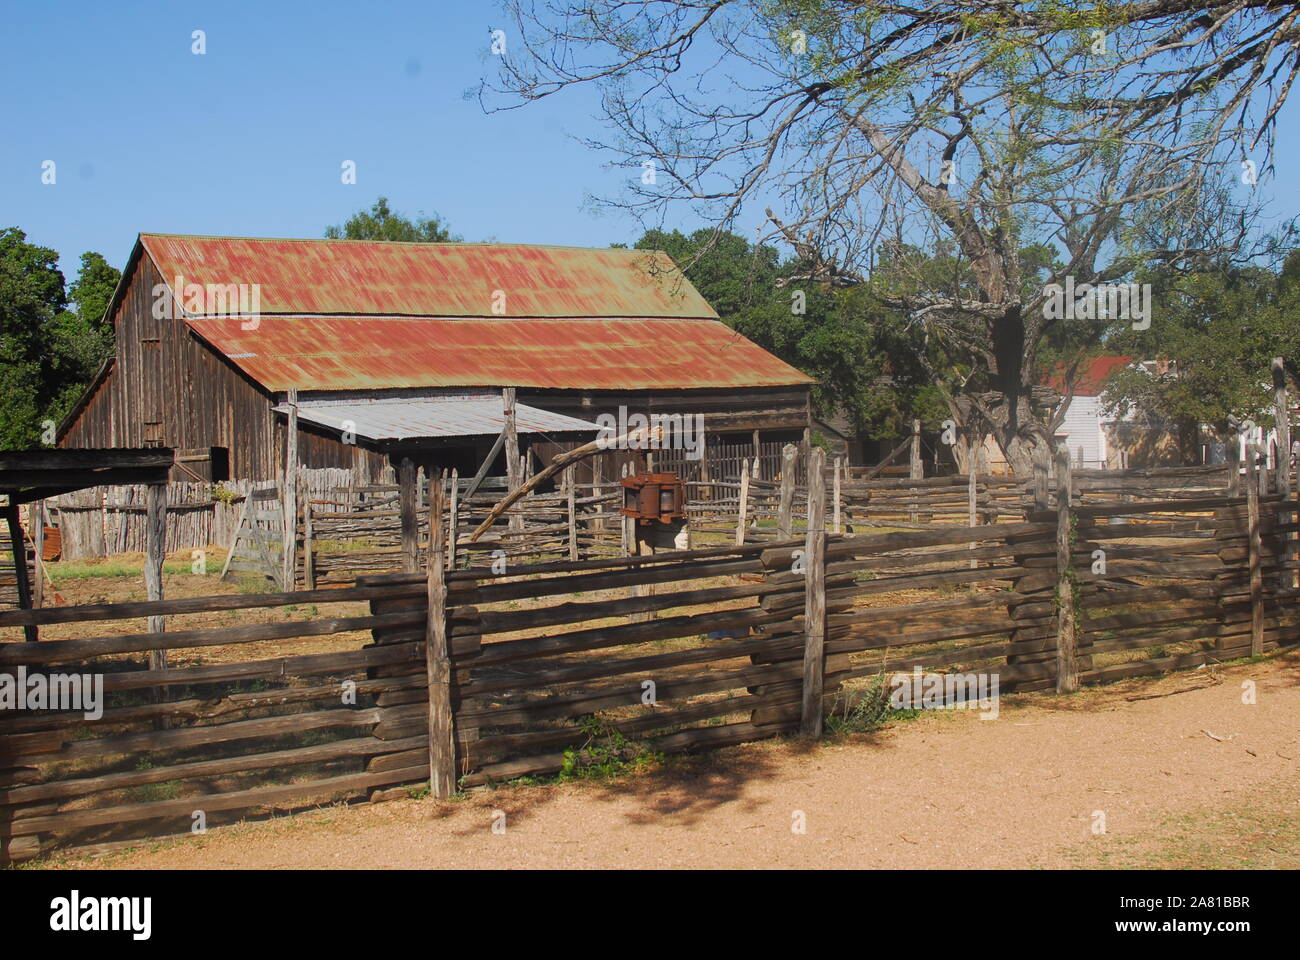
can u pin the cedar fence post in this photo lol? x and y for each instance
(408, 495)
(1253, 550)
(1067, 667)
(1282, 417)
(743, 505)
(785, 516)
(514, 469)
(289, 497)
(453, 519)
(308, 549)
(814, 649)
(36, 520)
(442, 733)
(570, 482)
(839, 465)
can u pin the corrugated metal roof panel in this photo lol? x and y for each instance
(433, 279)
(374, 353)
(423, 417)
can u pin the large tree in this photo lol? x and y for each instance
(1217, 332)
(1112, 133)
(47, 352)
(382, 223)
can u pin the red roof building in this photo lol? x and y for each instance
(415, 339)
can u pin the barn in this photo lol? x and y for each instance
(403, 349)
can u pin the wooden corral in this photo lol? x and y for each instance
(554, 666)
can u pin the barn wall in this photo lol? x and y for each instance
(167, 387)
(725, 411)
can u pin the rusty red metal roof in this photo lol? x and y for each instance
(1089, 380)
(377, 353)
(352, 277)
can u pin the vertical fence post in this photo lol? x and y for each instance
(814, 648)
(785, 515)
(1067, 668)
(513, 469)
(442, 734)
(1253, 552)
(571, 482)
(408, 493)
(743, 505)
(289, 497)
(839, 465)
(308, 548)
(36, 520)
(453, 519)
(972, 490)
(1282, 417)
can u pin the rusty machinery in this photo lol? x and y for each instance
(657, 502)
(654, 497)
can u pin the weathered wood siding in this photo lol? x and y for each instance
(167, 387)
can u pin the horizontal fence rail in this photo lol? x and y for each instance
(274, 701)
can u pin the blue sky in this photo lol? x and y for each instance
(248, 139)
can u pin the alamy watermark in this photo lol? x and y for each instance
(1101, 301)
(181, 299)
(54, 691)
(656, 431)
(919, 690)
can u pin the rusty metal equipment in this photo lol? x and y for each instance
(654, 497)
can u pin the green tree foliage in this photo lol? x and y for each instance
(846, 339)
(1221, 330)
(48, 353)
(381, 223)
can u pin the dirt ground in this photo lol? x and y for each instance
(1184, 773)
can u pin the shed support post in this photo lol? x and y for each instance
(20, 565)
(408, 494)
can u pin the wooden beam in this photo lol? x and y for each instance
(744, 503)
(453, 519)
(154, 551)
(486, 464)
(19, 547)
(814, 650)
(1067, 665)
(36, 522)
(785, 510)
(442, 732)
(289, 550)
(839, 469)
(1253, 558)
(308, 549)
(513, 471)
(408, 493)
